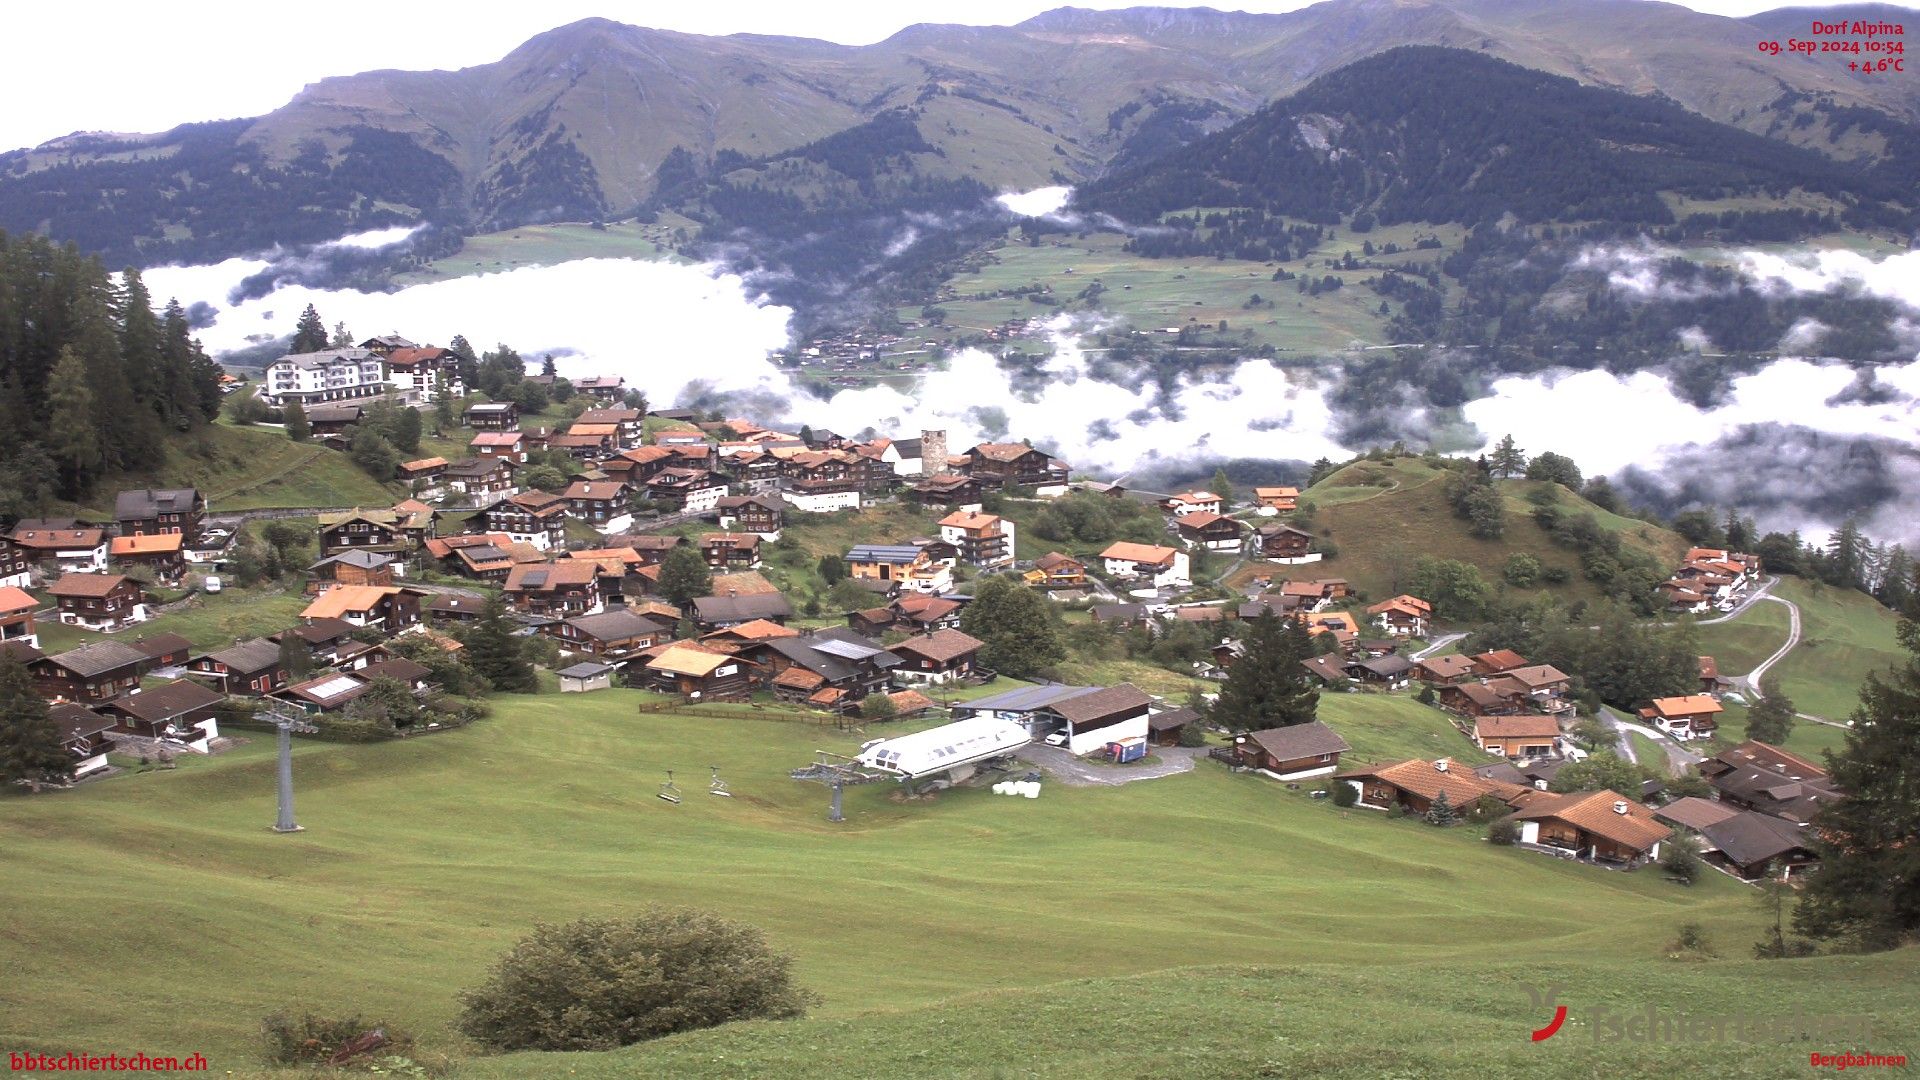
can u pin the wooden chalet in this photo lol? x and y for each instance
(72, 549)
(941, 656)
(694, 672)
(160, 512)
(1449, 670)
(1057, 571)
(93, 673)
(164, 554)
(493, 416)
(1283, 543)
(1280, 500)
(83, 735)
(761, 515)
(177, 710)
(1686, 717)
(1403, 616)
(616, 635)
(103, 602)
(531, 517)
(1003, 465)
(252, 668)
(362, 530)
(481, 481)
(164, 650)
(1600, 825)
(1291, 753)
(1753, 846)
(389, 609)
(357, 567)
(562, 589)
(947, 490)
(1518, 738)
(731, 551)
(1765, 778)
(1476, 699)
(1415, 784)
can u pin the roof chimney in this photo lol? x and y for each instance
(1620, 806)
(1441, 765)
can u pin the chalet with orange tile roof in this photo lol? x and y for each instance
(1415, 784)
(1202, 529)
(1403, 616)
(1601, 825)
(1277, 500)
(18, 609)
(72, 550)
(163, 553)
(561, 589)
(1519, 737)
(1164, 567)
(1687, 717)
(1194, 502)
(983, 541)
(391, 609)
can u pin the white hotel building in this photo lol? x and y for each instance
(330, 375)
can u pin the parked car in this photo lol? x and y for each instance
(1058, 738)
(211, 583)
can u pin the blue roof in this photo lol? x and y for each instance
(1025, 699)
(883, 553)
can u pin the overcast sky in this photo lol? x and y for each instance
(114, 65)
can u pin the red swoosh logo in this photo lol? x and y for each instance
(1559, 1017)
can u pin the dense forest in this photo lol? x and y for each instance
(1429, 134)
(92, 379)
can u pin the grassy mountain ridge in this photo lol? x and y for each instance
(577, 122)
(1423, 133)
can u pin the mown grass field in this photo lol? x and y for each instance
(1152, 294)
(548, 245)
(1739, 645)
(252, 469)
(934, 929)
(1384, 515)
(210, 620)
(1844, 635)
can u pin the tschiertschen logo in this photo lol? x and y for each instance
(1544, 1001)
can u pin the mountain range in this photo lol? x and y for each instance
(597, 119)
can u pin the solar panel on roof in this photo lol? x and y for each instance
(844, 649)
(334, 687)
(535, 578)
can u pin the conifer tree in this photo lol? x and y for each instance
(1223, 488)
(1266, 687)
(407, 430)
(1770, 718)
(309, 333)
(294, 416)
(72, 438)
(494, 653)
(1441, 812)
(1508, 459)
(30, 748)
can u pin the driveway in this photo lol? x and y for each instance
(1435, 646)
(1074, 772)
(1752, 678)
(1680, 760)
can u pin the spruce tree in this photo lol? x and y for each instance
(1770, 718)
(295, 418)
(495, 654)
(1266, 687)
(1868, 884)
(1223, 488)
(30, 748)
(407, 429)
(684, 575)
(342, 337)
(72, 438)
(309, 333)
(1441, 812)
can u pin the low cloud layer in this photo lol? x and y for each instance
(1802, 442)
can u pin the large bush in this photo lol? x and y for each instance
(597, 984)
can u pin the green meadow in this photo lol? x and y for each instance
(1205, 924)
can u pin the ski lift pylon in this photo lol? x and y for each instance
(717, 786)
(669, 792)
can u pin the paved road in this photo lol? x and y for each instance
(1762, 591)
(1752, 678)
(1073, 772)
(1680, 760)
(1435, 646)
